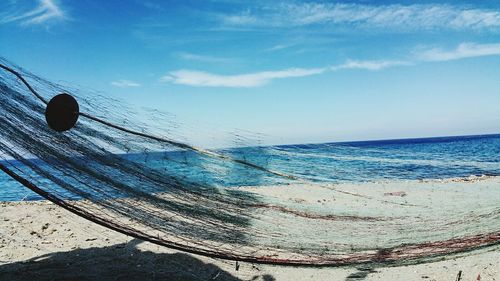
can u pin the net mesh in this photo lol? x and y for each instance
(133, 177)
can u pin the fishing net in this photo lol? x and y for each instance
(140, 178)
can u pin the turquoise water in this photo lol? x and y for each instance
(430, 158)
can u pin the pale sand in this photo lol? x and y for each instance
(40, 241)
(355, 216)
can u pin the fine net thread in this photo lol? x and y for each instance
(110, 170)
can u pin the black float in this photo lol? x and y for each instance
(62, 112)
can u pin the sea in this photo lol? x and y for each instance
(362, 161)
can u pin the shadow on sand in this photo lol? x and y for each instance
(117, 262)
(361, 274)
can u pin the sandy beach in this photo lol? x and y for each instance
(40, 241)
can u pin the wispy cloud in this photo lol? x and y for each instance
(369, 64)
(464, 50)
(46, 11)
(201, 78)
(400, 17)
(279, 47)
(244, 18)
(203, 58)
(125, 84)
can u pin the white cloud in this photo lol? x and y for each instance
(125, 84)
(279, 47)
(407, 17)
(47, 10)
(369, 64)
(206, 79)
(202, 58)
(244, 18)
(464, 50)
(200, 78)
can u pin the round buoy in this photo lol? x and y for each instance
(62, 112)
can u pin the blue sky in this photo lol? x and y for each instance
(295, 71)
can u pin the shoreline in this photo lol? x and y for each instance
(470, 178)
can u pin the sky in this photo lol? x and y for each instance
(294, 71)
